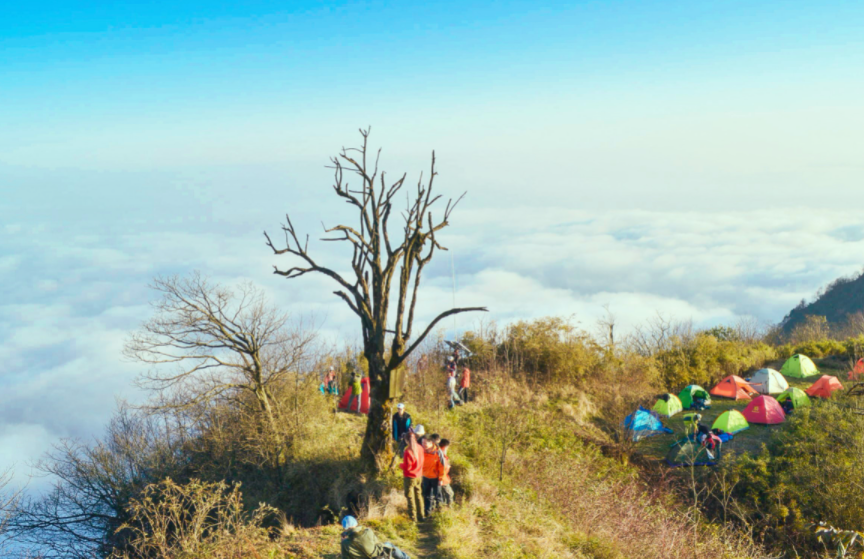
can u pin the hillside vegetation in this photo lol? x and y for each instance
(541, 466)
(841, 305)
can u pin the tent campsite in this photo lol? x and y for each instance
(764, 410)
(692, 392)
(731, 422)
(799, 366)
(364, 398)
(687, 452)
(642, 424)
(733, 387)
(668, 405)
(799, 397)
(768, 381)
(823, 387)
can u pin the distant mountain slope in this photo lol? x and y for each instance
(843, 297)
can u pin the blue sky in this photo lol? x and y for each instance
(698, 159)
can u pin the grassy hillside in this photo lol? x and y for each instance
(840, 300)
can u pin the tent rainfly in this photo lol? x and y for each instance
(764, 410)
(668, 405)
(823, 387)
(642, 424)
(768, 381)
(692, 392)
(733, 387)
(731, 422)
(687, 452)
(799, 366)
(364, 398)
(799, 397)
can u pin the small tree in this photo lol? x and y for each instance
(383, 260)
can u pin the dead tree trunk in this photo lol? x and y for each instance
(380, 269)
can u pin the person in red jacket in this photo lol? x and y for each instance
(464, 384)
(412, 470)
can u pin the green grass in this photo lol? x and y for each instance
(749, 441)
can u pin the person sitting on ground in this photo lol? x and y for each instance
(787, 405)
(451, 391)
(362, 543)
(432, 469)
(445, 492)
(356, 391)
(465, 384)
(401, 424)
(412, 471)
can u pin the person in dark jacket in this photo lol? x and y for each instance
(362, 543)
(401, 422)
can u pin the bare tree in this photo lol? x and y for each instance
(381, 257)
(209, 343)
(9, 501)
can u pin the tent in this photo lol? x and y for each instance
(731, 422)
(799, 366)
(690, 392)
(799, 397)
(858, 370)
(668, 405)
(765, 410)
(733, 387)
(364, 398)
(641, 424)
(768, 381)
(824, 387)
(687, 452)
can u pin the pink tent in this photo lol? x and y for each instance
(364, 398)
(765, 410)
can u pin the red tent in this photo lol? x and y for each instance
(765, 410)
(824, 387)
(364, 398)
(858, 371)
(733, 387)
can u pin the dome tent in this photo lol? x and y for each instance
(733, 387)
(731, 422)
(688, 452)
(764, 410)
(768, 381)
(799, 397)
(692, 392)
(668, 405)
(364, 398)
(799, 366)
(823, 387)
(642, 424)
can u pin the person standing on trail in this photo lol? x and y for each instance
(412, 472)
(451, 390)
(401, 424)
(445, 492)
(356, 391)
(464, 384)
(451, 365)
(330, 382)
(362, 543)
(432, 469)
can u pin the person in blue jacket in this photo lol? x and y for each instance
(401, 424)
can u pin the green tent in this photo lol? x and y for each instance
(731, 422)
(668, 405)
(799, 366)
(690, 453)
(690, 392)
(799, 397)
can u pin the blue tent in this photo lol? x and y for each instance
(642, 423)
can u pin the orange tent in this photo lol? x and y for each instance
(858, 371)
(733, 387)
(824, 387)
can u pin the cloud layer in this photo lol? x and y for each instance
(74, 293)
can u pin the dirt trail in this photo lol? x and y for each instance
(428, 541)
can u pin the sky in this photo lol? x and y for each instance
(702, 160)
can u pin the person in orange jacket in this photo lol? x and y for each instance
(465, 384)
(412, 469)
(445, 492)
(432, 470)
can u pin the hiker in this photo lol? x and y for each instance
(401, 423)
(451, 365)
(412, 471)
(464, 384)
(451, 390)
(707, 439)
(356, 391)
(331, 382)
(787, 405)
(362, 543)
(445, 492)
(432, 469)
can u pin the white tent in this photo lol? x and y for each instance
(768, 381)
